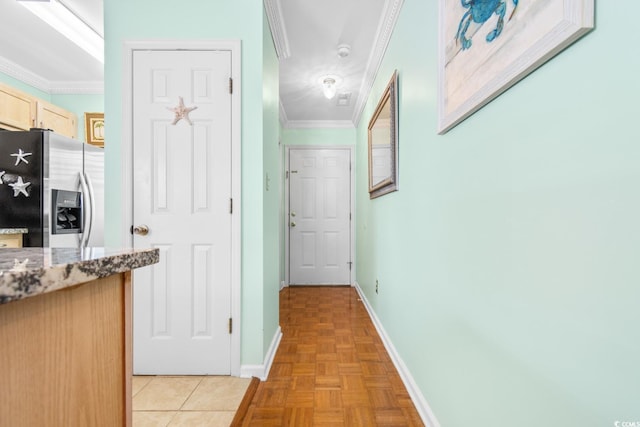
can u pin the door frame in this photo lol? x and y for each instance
(126, 185)
(285, 216)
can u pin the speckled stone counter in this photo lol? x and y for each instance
(13, 231)
(66, 335)
(27, 272)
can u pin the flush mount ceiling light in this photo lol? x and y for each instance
(330, 85)
(67, 23)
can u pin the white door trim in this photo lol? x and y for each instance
(285, 215)
(126, 150)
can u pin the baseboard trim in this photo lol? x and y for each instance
(423, 408)
(282, 285)
(262, 371)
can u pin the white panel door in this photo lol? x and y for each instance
(319, 216)
(181, 192)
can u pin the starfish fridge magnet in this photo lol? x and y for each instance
(20, 187)
(20, 156)
(181, 112)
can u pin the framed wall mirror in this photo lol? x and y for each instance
(383, 143)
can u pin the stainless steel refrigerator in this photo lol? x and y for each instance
(53, 186)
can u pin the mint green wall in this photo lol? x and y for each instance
(271, 185)
(199, 19)
(508, 260)
(80, 104)
(319, 136)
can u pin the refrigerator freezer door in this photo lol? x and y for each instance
(62, 169)
(94, 171)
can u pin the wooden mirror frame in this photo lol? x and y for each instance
(388, 103)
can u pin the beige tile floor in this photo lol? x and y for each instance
(186, 401)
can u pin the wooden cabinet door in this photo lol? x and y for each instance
(57, 119)
(10, 240)
(17, 109)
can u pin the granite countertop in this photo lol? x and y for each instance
(27, 272)
(13, 231)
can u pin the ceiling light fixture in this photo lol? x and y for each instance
(330, 85)
(67, 23)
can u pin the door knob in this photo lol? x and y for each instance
(293, 224)
(293, 213)
(141, 230)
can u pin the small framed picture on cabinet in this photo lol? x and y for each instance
(94, 128)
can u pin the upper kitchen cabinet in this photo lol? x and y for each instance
(21, 111)
(17, 109)
(59, 120)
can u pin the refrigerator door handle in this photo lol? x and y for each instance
(86, 214)
(92, 203)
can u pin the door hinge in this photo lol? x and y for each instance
(230, 85)
(287, 175)
(230, 325)
(230, 206)
(350, 264)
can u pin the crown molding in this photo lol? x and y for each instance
(383, 35)
(30, 78)
(278, 29)
(18, 72)
(77, 88)
(322, 124)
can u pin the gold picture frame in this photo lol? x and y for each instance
(383, 142)
(94, 128)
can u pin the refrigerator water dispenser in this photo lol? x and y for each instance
(67, 212)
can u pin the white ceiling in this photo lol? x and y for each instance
(306, 34)
(33, 52)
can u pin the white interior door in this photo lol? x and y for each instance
(181, 192)
(319, 216)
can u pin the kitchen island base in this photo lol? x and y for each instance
(66, 356)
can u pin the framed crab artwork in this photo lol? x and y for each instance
(486, 46)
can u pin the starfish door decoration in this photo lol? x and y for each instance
(20, 156)
(20, 187)
(181, 112)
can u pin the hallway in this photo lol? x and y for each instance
(331, 367)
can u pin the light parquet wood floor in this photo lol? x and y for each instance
(331, 367)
